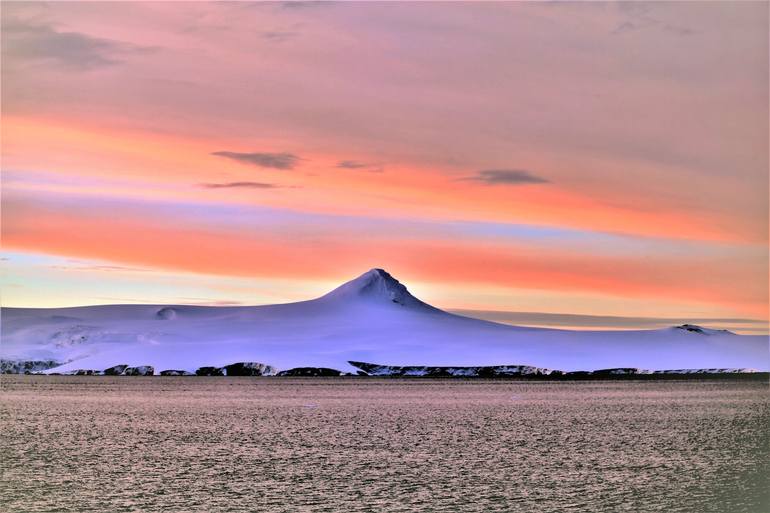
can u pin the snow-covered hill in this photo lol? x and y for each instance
(372, 318)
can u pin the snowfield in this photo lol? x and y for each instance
(372, 318)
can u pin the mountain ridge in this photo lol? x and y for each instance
(371, 318)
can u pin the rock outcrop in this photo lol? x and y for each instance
(310, 372)
(166, 313)
(117, 370)
(706, 371)
(619, 371)
(249, 369)
(26, 366)
(210, 371)
(174, 372)
(694, 328)
(85, 372)
(491, 371)
(140, 370)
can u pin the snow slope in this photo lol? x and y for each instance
(372, 318)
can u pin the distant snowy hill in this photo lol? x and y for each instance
(372, 318)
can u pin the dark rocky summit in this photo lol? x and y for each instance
(691, 328)
(377, 285)
(694, 328)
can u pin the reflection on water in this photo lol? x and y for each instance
(346, 444)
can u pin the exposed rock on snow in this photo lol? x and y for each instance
(578, 374)
(73, 336)
(141, 370)
(694, 328)
(210, 371)
(249, 369)
(26, 366)
(619, 371)
(706, 371)
(487, 371)
(166, 313)
(174, 372)
(116, 370)
(310, 372)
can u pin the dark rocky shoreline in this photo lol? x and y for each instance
(517, 372)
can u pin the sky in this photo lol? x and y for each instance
(582, 165)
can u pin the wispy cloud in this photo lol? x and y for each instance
(301, 4)
(203, 301)
(505, 177)
(278, 36)
(262, 159)
(355, 164)
(235, 185)
(26, 41)
(351, 164)
(95, 267)
(637, 17)
(178, 301)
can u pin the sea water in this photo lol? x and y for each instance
(174, 444)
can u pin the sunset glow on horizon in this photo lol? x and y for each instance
(514, 161)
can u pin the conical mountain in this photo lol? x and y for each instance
(377, 286)
(372, 318)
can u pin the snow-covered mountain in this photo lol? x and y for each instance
(372, 318)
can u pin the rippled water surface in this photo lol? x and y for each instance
(345, 444)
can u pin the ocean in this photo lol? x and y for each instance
(194, 444)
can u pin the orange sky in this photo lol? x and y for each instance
(502, 156)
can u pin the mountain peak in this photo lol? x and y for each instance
(379, 286)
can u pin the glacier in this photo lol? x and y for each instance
(372, 318)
